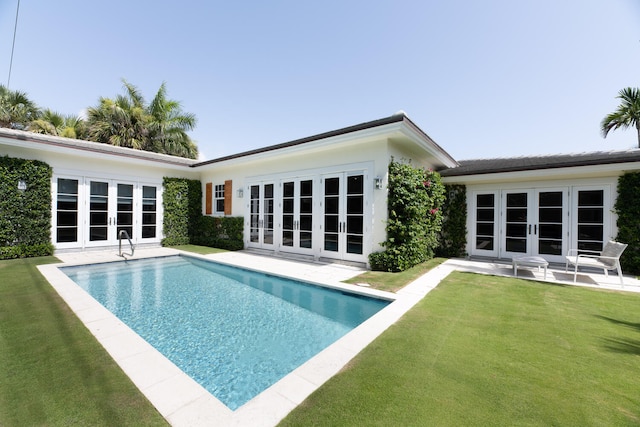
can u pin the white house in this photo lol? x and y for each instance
(325, 196)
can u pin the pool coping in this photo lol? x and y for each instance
(184, 402)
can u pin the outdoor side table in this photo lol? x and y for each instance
(529, 261)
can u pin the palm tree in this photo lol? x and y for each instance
(169, 125)
(627, 114)
(54, 123)
(16, 109)
(121, 122)
(127, 121)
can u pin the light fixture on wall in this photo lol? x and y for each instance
(240, 193)
(22, 185)
(378, 183)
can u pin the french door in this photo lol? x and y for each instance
(90, 212)
(535, 222)
(297, 216)
(111, 209)
(261, 215)
(343, 204)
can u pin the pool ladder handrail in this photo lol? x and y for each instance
(126, 235)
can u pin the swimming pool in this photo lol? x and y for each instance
(234, 331)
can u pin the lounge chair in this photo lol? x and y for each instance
(607, 259)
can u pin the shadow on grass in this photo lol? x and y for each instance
(632, 325)
(623, 345)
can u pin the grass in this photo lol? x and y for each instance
(202, 250)
(52, 370)
(482, 350)
(393, 282)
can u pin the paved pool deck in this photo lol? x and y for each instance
(183, 402)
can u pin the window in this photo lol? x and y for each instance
(219, 198)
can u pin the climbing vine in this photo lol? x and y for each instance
(627, 208)
(415, 200)
(453, 236)
(25, 212)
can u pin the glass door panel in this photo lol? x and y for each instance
(261, 215)
(355, 214)
(288, 213)
(67, 211)
(268, 215)
(254, 215)
(124, 212)
(485, 222)
(516, 214)
(332, 225)
(305, 222)
(149, 212)
(99, 219)
(550, 223)
(590, 220)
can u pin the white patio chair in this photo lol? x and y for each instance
(607, 259)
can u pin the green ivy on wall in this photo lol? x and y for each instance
(25, 214)
(182, 203)
(453, 237)
(415, 199)
(627, 207)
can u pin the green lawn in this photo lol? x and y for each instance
(487, 351)
(478, 350)
(52, 370)
(393, 282)
(202, 250)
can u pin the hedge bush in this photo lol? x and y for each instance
(453, 237)
(182, 202)
(220, 232)
(415, 199)
(25, 215)
(627, 207)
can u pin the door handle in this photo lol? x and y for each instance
(535, 229)
(529, 228)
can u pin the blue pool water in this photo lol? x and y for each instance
(234, 331)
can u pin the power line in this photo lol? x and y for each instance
(13, 45)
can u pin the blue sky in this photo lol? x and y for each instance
(484, 79)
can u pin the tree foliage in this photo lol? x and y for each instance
(415, 199)
(626, 115)
(16, 109)
(127, 120)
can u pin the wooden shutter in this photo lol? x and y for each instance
(228, 194)
(209, 199)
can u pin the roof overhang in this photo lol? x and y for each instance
(395, 128)
(78, 148)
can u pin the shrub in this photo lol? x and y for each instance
(415, 199)
(453, 236)
(25, 215)
(182, 202)
(627, 207)
(220, 232)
